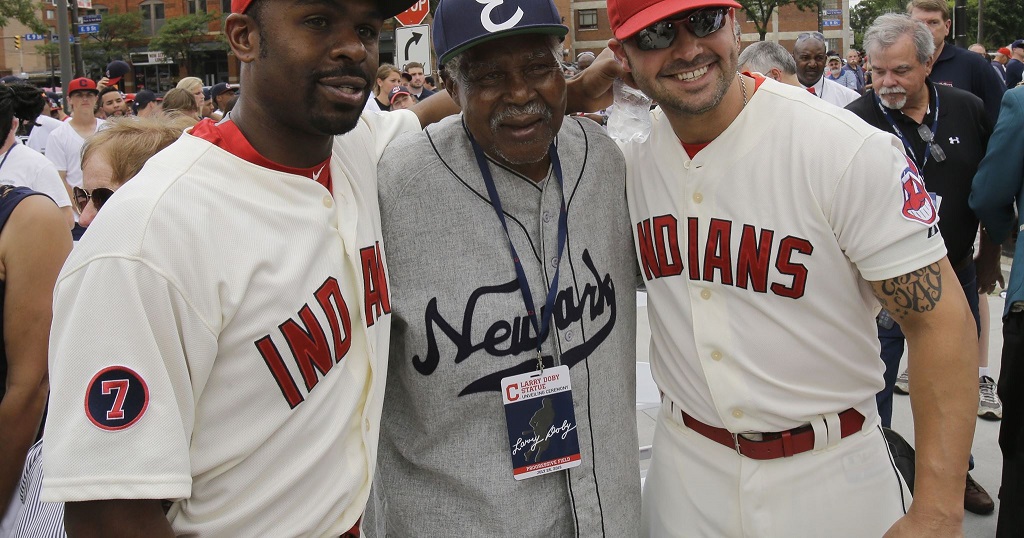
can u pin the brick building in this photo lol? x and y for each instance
(590, 30)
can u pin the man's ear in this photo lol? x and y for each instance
(619, 50)
(242, 33)
(775, 73)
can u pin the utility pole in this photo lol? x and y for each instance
(79, 65)
(960, 23)
(981, 30)
(65, 49)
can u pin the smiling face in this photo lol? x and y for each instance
(689, 77)
(326, 50)
(513, 100)
(810, 60)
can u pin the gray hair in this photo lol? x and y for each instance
(457, 68)
(763, 56)
(889, 28)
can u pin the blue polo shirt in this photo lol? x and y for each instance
(968, 71)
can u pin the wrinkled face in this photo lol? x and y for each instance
(417, 77)
(938, 26)
(692, 75)
(389, 83)
(84, 101)
(327, 50)
(898, 76)
(810, 60)
(853, 58)
(513, 99)
(96, 174)
(835, 66)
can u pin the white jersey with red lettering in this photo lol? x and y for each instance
(758, 254)
(226, 327)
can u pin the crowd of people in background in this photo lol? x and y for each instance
(945, 110)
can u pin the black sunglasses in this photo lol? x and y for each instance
(99, 196)
(701, 23)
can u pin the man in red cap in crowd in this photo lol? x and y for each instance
(64, 145)
(764, 281)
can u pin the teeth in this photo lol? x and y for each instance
(692, 74)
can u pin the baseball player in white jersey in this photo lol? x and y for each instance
(769, 225)
(225, 320)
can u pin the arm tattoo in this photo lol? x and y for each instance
(918, 291)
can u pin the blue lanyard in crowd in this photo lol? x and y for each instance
(543, 324)
(899, 133)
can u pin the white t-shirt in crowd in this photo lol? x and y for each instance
(26, 167)
(64, 149)
(41, 132)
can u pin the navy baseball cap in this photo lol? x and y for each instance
(463, 24)
(396, 91)
(1018, 44)
(116, 70)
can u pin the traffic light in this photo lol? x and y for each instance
(17, 42)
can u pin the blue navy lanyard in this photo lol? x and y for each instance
(541, 323)
(899, 133)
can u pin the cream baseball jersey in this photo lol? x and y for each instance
(758, 261)
(220, 340)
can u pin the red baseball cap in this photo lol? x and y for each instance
(628, 17)
(81, 84)
(1005, 51)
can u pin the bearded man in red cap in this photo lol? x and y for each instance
(763, 284)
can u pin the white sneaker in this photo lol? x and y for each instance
(989, 406)
(903, 384)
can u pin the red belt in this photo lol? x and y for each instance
(776, 444)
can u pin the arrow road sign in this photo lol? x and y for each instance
(412, 44)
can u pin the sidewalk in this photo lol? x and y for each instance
(988, 460)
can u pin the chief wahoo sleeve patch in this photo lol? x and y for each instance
(116, 399)
(917, 203)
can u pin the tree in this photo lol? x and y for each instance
(118, 32)
(867, 11)
(1002, 22)
(178, 36)
(760, 12)
(23, 11)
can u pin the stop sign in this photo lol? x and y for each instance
(415, 14)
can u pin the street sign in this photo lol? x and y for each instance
(831, 23)
(88, 28)
(833, 12)
(415, 14)
(34, 37)
(412, 44)
(91, 19)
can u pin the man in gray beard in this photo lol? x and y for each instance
(512, 275)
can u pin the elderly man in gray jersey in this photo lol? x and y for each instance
(512, 278)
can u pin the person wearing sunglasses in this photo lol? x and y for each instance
(116, 154)
(765, 263)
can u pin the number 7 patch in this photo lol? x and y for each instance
(116, 399)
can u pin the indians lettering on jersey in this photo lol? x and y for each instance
(917, 203)
(307, 341)
(742, 259)
(501, 337)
